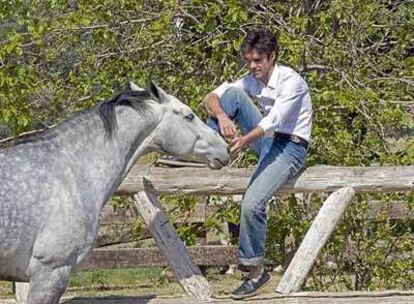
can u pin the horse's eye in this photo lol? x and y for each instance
(189, 117)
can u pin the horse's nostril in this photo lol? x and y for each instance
(228, 149)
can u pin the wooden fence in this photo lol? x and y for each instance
(117, 224)
(145, 183)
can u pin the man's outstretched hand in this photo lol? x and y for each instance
(237, 144)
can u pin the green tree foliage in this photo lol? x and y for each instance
(58, 57)
(61, 56)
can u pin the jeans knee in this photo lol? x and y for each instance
(252, 209)
(235, 94)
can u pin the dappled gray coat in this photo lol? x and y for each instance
(54, 183)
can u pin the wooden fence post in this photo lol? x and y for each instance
(319, 232)
(172, 248)
(21, 290)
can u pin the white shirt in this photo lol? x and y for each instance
(285, 101)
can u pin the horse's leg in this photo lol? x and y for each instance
(62, 244)
(53, 257)
(47, 283)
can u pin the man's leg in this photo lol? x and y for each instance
(240, 108)
(283, 160)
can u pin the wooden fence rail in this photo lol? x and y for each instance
(120, 216)
(117, 228)
(234, 181)
(152, 257)
(200, 181)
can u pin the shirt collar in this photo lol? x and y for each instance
(273, 78)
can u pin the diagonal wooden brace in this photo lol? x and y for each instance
(172, 248)
(21, 291)
(319, 232)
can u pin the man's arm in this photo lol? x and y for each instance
(227, 127)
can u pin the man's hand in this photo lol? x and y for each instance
(237, 144)
(227, 127)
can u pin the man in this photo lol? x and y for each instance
(280, 139)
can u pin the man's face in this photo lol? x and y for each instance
(259, 64)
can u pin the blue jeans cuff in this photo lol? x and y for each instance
(258, 260)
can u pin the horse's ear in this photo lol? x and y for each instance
(134, 87)
(157, 92)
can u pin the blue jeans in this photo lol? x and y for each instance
(279, 160)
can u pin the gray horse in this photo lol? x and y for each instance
(53, 184)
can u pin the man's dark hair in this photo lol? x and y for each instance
(262, 40)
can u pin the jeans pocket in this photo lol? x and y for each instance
(296, 154)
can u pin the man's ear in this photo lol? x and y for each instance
(272, 56)
(134, 87)
(157, 92)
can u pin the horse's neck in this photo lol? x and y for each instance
(101, 161)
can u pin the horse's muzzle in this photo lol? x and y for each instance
(217, 163)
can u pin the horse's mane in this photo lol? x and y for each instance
(134, 99)
(105, 109)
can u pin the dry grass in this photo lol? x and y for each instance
(141, 282)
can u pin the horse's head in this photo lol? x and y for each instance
(181, 133)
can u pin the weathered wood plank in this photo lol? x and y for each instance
(234, 180)
(198, 215)
(116, 234)
(119, 216)
(383, 297)
(187, 273)
(120, 220)
(395, 210)
(319, 232)
(151, 256)
(351, 297)
(133, 300)
(21, 291)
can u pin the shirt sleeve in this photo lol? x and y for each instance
(241, 83)
(288, 102)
